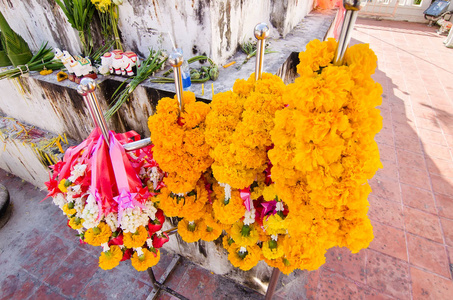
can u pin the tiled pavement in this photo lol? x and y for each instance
(411, 206)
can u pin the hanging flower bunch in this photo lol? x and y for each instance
(180, 147)
(238, 126)
(118, 214)
(324, 153)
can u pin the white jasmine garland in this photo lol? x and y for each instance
(149, 242)
(227, 188)
(59, 200)
(105, 247)
(79, 170)
(155, 176)
(112, 220)
(79, 204)
(133, 218)
(90, 213)
(150, 210)
(139, 251)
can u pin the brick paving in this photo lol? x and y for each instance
(411, 206)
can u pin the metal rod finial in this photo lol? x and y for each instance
(176, 59)
(352, 8)
(86, 88)
(261, 33)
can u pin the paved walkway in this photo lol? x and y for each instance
(411, 206)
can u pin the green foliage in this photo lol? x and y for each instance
(80, 14)
(16, 47)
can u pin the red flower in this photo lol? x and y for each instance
(117, 241)
(160, 240)
(127, 254)
(156, 224)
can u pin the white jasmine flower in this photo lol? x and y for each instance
(112, 220)
(59, 200)
(139, 251)
(105, 247)
(279, 206)
(149, 242)
(90, 213)
(274, 237)
(243, 250)
(227, 188)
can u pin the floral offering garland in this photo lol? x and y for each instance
(238, 126)
(125, 223)
(324, 153)
(180, 147)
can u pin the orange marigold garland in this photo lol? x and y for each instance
(179, 144)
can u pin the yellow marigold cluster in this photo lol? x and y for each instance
(324, 153)
(238, 126)
(111, 258)
(179, 144)
(98, 235)
(148, 259)
(191, 205)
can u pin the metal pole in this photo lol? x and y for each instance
(176, 61)
(86, 89)
(352, 11)
(261, 33)
(137, 144)
(272, 284)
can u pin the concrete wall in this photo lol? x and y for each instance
(207, 27)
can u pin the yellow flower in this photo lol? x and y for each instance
(244, 235)
(69, 209)
(227, 211)
(179, 145)
(211, 231)
(147, 260)
(227, 242)
(245, 260)
(45, 72)
(98, 235)
(62, 185)
(275, 224)
(76, 223)
(61, 76)
(190, 231)
(273, 249)
(110, 259)
(135, 239)
(237, 129)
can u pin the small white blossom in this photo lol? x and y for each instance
(105, 247)
(59, 200)
(78, 171)
(243, 250)
(274, 237)
(90, 213)
(149, 242)
(279, 206)
(249, 216)
(133, 218)
(150, 210)
(139, 251)
(227, 188)
(112, 220)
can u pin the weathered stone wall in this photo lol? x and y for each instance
(214, 28)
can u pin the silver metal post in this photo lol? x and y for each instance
(352, 11)
(86, 89)
(176, 61)
(261, 33)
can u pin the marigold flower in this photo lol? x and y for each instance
(135, 239)
(98, 235)
(69, 209)
(45, 72)
(147, 260)
(244, 235)
(61, 76)
(111, 258)
(76, 223)
(244, 258)
(190, 231)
